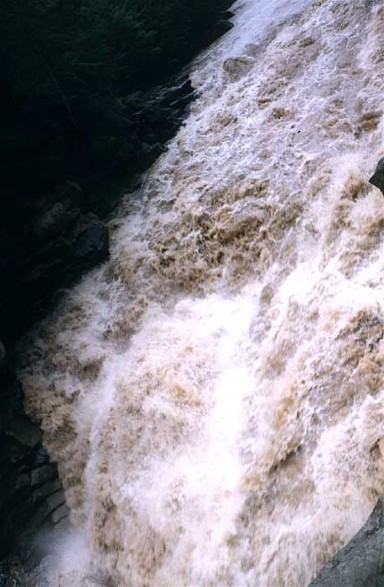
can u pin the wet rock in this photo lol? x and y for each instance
(41, 456)
(54, 220)
(237, 67)
(12, 451)
(89, 240)
(177, 96)
(60, 514)
(11, 573)
(43, 474)
(67, 191)
(24, 431)
(361, 562)
(72, 248)
(225, 4)
(38, 521)
(377, 178)
(83, 244)
(48, 489)
(56, 500)
(30, 489)
(12, 482)
(221, 27)
(22, 481)
(38, 509)
(50, 238)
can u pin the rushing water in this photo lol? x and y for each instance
(214, 394)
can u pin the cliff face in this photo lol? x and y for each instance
(86, 104)
(49, 240)
(360, 562)
(68, 152)
(31, 496)
(47, 244)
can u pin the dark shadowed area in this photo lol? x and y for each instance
(89, 94)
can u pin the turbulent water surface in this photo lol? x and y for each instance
(214, 394)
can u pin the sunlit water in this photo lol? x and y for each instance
(214, 394)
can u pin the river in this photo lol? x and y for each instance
(214, 395)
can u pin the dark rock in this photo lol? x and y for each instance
(60, 519)
(18, 390)
(54, 220)
(12, 451)
(23, 430)
(43, 474)
(89, 241)
(237, 67)
(227, 14)
(11, 573)
(67, 191)
(177, 96)
(377, 178)
(50, 236)
(41, 456)
(55, 500)
(27, 502)
(13, 480)
(60, 514)
(220, 28)
(225, 4)
(72, 248)
(27, 478)
(49, 488)
(36, 522)
(361, 562)
(22, 481)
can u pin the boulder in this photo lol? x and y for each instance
(67, 191)
(59, 514)
(48, 489)
(43, 475)
(56, 500)
(53, 220)
(89, 242)
(237, 67)
(377, 178)
(361, 562)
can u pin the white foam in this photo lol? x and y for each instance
(214, 392)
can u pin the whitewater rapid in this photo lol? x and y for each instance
(214, 394)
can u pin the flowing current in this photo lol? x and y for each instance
(214, 394)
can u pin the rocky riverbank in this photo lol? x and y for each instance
(51, 234)
(31, 495)
(89, 96)
(360, 563)
(62, 234)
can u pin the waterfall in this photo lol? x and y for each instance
(213, 395)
